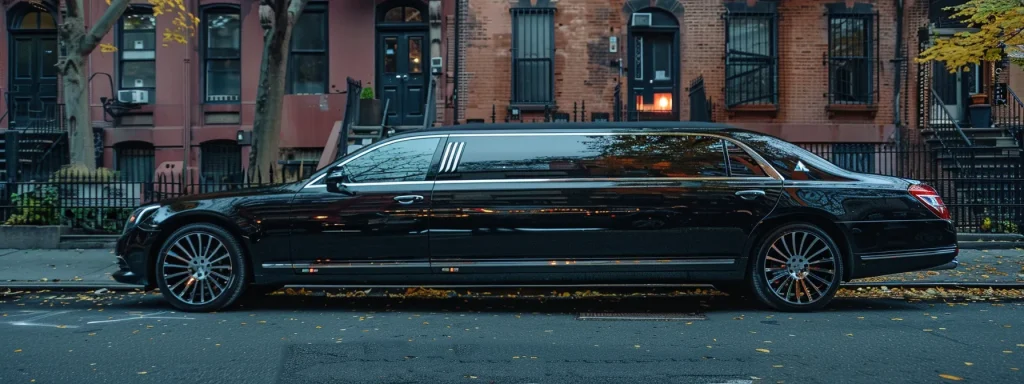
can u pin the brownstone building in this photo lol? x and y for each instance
(809, 71)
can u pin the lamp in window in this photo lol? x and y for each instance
(662, 103)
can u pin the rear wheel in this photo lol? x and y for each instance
(201, 268)
(798, 267)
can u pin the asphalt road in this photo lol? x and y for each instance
(136, 338)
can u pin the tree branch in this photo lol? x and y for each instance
(103, 25)
(295, 8)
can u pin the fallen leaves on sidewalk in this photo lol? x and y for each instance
(950, 377)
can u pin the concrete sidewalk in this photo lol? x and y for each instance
(92, 268)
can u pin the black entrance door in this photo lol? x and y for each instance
(32, 98)
(402, 75)
(653, 79)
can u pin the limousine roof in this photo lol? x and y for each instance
(661, 126)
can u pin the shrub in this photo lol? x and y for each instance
(366, 94)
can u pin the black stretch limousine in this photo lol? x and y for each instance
(549, 204)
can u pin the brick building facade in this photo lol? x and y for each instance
(766, 64)
(809, 71)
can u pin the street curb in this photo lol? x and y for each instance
(980, 245)
(1008, 237)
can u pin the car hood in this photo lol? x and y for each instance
(234, 193)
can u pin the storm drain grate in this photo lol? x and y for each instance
(642, 316)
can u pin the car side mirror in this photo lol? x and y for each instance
(337, 181)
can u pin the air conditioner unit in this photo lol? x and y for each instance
(133, 96)
(642, 19)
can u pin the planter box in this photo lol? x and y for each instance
(31, 236)
(370, 112)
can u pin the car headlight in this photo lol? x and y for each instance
(138, 215)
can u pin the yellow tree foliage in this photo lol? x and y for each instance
(185, 23)
(999, 24)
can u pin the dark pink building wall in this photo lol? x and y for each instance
(351, 36)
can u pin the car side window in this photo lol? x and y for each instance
(741, 163)
(584, 156)
(407, 160)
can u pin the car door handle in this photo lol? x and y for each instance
(751, 194)
(408, 199)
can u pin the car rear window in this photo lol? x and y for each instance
(587, 156)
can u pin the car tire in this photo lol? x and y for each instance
(211, 258)
(797, 267)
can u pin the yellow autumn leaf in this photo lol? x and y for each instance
(143, 372)
(17, 351)
(950, 377)
(968, 363)
(762, 350)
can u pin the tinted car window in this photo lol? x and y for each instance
(784, 157)
(741, 164)
(579, 156)
(402, 161)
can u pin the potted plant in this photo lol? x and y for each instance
(369, 109)
(980, 112)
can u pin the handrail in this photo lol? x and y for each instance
(1015, 129)
(431, 103)
(935, 97)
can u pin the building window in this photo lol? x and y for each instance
(223, 53)
(137, 51)
(220, 165)
(850, 44)
(135, 161)
(307, 67)
(533, 52)
(751, 59)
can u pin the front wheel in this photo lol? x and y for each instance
(797, 268)
(201, 268)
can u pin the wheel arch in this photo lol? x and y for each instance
(818, 219)
(173, 223)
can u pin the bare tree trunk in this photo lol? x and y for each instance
(80, 44)
(277, 18)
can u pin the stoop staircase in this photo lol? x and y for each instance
(979, 169)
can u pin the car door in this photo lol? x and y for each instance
(546, 202)
(378, 223)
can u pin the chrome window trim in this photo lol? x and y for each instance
(606, 179)
(311, 183)
(769, 169)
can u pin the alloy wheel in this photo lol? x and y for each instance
(800, 267)
(197, 268)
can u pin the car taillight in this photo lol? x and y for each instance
(931, 199)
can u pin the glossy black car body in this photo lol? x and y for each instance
(477, 217)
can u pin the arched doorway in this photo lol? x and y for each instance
(402, 45)
(654, 65)
(32, 78)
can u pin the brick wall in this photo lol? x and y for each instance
(583, 71)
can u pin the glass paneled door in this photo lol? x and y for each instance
(653, 82)
(954, 90)
(402, 75)
(32, 97)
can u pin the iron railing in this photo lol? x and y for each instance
(533, 55)
(700, 104)
(28, 116)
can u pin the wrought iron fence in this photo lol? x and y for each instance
(100, 202)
